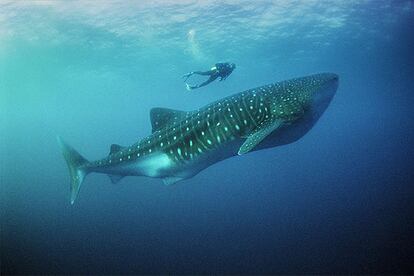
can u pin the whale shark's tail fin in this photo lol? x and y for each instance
(78, 168)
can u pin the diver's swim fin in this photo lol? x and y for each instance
(186, 76)
(188, 87)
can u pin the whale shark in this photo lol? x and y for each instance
(183, 143)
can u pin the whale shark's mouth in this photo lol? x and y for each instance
(324, 96)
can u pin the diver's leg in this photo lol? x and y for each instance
(204, 73)
(210, 79)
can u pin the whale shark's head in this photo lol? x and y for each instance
(298, 104)
(322, 96)
(317, 91)
(324, 87)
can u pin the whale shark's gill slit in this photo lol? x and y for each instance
(227, 125)
(199, 141)
(234, 115)
(250, 117)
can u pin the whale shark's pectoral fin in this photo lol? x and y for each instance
(115, 178)
(171, 180)
(161, 117)
(115, 148)
(257, 136)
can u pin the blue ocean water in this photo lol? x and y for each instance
(340, 200)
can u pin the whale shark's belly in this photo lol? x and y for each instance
(161, 165)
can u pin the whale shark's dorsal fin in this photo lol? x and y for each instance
(115, 148)
(160, 117)
(258, 135)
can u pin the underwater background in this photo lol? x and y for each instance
(340, 200)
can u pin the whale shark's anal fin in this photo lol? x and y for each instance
(258, 135)
(115, 178)
(161, 117)
(171, 180)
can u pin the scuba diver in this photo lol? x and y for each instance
(222, 70)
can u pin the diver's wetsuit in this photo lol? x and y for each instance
(222, 70)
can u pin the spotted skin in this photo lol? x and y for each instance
(231, 118)
(187, 142)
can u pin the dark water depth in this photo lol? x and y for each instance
(340, 200)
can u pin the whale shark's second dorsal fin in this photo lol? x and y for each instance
(161, 117)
